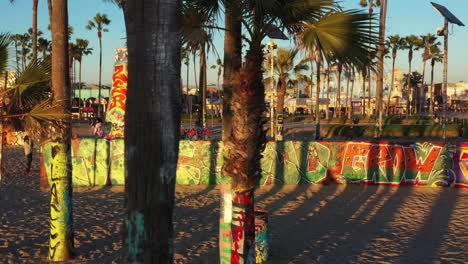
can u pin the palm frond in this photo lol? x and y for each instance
(44, 117)
(343, 34)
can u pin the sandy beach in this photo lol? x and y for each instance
(308, 223)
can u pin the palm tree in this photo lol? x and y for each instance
(34, 30)
(410, 43)
(34, 33)
(196, 38)
(380, 65)
(284, 67)
(23, 41)
(219, 65)
(150, 186)
(350, 103)
(61, 242)
(393, 43)
(99, 22)
(28, 106)
(436, 56)
(15, 40)
(339, 71)
(72, 53)
(44, 46)
(352, 44)
(83, 50)
(426, 42)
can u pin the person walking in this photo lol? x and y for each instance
(99, 128)
(28, 149)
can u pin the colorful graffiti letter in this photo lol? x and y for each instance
(118, 98)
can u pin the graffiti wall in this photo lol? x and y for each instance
(94, 161)
(118, 96)
(292, 162)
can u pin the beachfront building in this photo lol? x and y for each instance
(457, 95)
(91, 93)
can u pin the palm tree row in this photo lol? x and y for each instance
(321, 28)
(431, 51)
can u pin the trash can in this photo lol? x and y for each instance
(261, 235)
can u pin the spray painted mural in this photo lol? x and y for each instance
(118, 96)
(90, 161)
(292, 162)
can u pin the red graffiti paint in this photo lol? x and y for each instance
(426, 165)
(243, 226)
(360, 155)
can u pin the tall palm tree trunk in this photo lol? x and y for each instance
(202, 87)
(380, 66)
(350, 114)
(232, 64)
(317, 98)
(363, 106)
(61, 213)
(79, 90)
(369, 90)
(421, 102)
(281, 93)
(16, 55)
(99, 113)
(431, 106)
(244, 147)
(340, 69)
(232, 58)
(408, 91)
(152, 127)
(347, 95)
(391, 87)
(195, 71)
(34, 30)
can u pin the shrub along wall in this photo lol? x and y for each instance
(415, 131)
(287, 162)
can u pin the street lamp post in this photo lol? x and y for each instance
(448, 17)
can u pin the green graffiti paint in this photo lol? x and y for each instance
(135, 224)
(286, 162)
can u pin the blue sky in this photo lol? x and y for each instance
(404, 18)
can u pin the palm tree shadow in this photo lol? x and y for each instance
(303, 156)
(279, 177)
(435, 228)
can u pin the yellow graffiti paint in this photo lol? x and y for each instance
(61, 229)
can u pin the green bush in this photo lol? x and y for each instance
(393, 131)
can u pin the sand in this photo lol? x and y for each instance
(308, 223)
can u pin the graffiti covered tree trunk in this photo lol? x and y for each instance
(61, 213)
(243, 149)
(152, 127)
